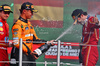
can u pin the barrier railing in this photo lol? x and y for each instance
(20, 52)
(58, 63)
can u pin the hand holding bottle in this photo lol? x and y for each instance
(44, 48)
(34, 55)
(52, 42)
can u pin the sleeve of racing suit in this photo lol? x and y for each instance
(16, 34)
(4, 39)
(38, 41)
(93, 24)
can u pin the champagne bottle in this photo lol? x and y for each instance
(42, 49)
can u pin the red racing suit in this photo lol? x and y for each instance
(4, 34)
(90, 37)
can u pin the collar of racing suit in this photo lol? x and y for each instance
(1, 20)
(86, 19)
(22, 19)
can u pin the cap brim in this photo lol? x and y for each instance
(75, 21)
(9, 11)
(35, 11)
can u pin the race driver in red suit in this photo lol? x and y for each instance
(4, 33)
(90, 37)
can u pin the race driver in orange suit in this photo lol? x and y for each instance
(5, 11)
(22, 28)
(90, 36)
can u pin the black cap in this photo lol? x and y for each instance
(5, 7)
(76, 13)
(28, 6)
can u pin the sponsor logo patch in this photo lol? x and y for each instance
(6, 39)
(7, 7)
(15, 29)
(31, 27)
(32, 6)
(1, 33)
(1, 24)
(26, 28)
(1, 29)
(15, 33)
(15, 38)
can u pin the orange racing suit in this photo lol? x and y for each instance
(23, 29)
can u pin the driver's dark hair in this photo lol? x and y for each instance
(21, 11)
(84, 13)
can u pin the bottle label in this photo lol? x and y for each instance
(38, 51)
(13, 61)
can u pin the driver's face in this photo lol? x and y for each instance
(4, 14)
